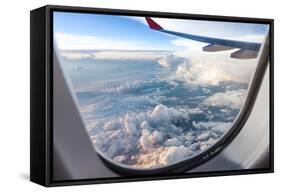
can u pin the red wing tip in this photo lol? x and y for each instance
(152, 24)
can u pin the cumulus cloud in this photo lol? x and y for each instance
(202, 73)
(131, 86)
(215, 127)
(152, 132)
(147, 126)
(170, 60)
(163, 156)
(155, 137)
(148, 140)
(174, 154)
(232, 99)
(201, 68)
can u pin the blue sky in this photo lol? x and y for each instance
(94, 31)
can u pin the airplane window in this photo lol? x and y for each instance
(153, 92)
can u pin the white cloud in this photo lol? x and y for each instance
(149, 159)
(174, 154)
(143, 131)
(192, 66)
(210, 68)
(67, 41)
(232, 99)
(215, 127)
(115, 54)
(173, 142)
(151, 139)
(129, 55)
(162, 156)
(148, 140)
(170, 60)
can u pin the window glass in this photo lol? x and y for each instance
(151, 98)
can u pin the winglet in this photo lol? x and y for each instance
(152, 24)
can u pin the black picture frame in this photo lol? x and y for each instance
(41, 94)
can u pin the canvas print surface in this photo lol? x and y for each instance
(156, 92)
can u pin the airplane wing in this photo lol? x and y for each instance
(247, 50)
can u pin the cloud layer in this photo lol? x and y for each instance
(233, 99)
(156, 137)
(192, 67)
(186, 107)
